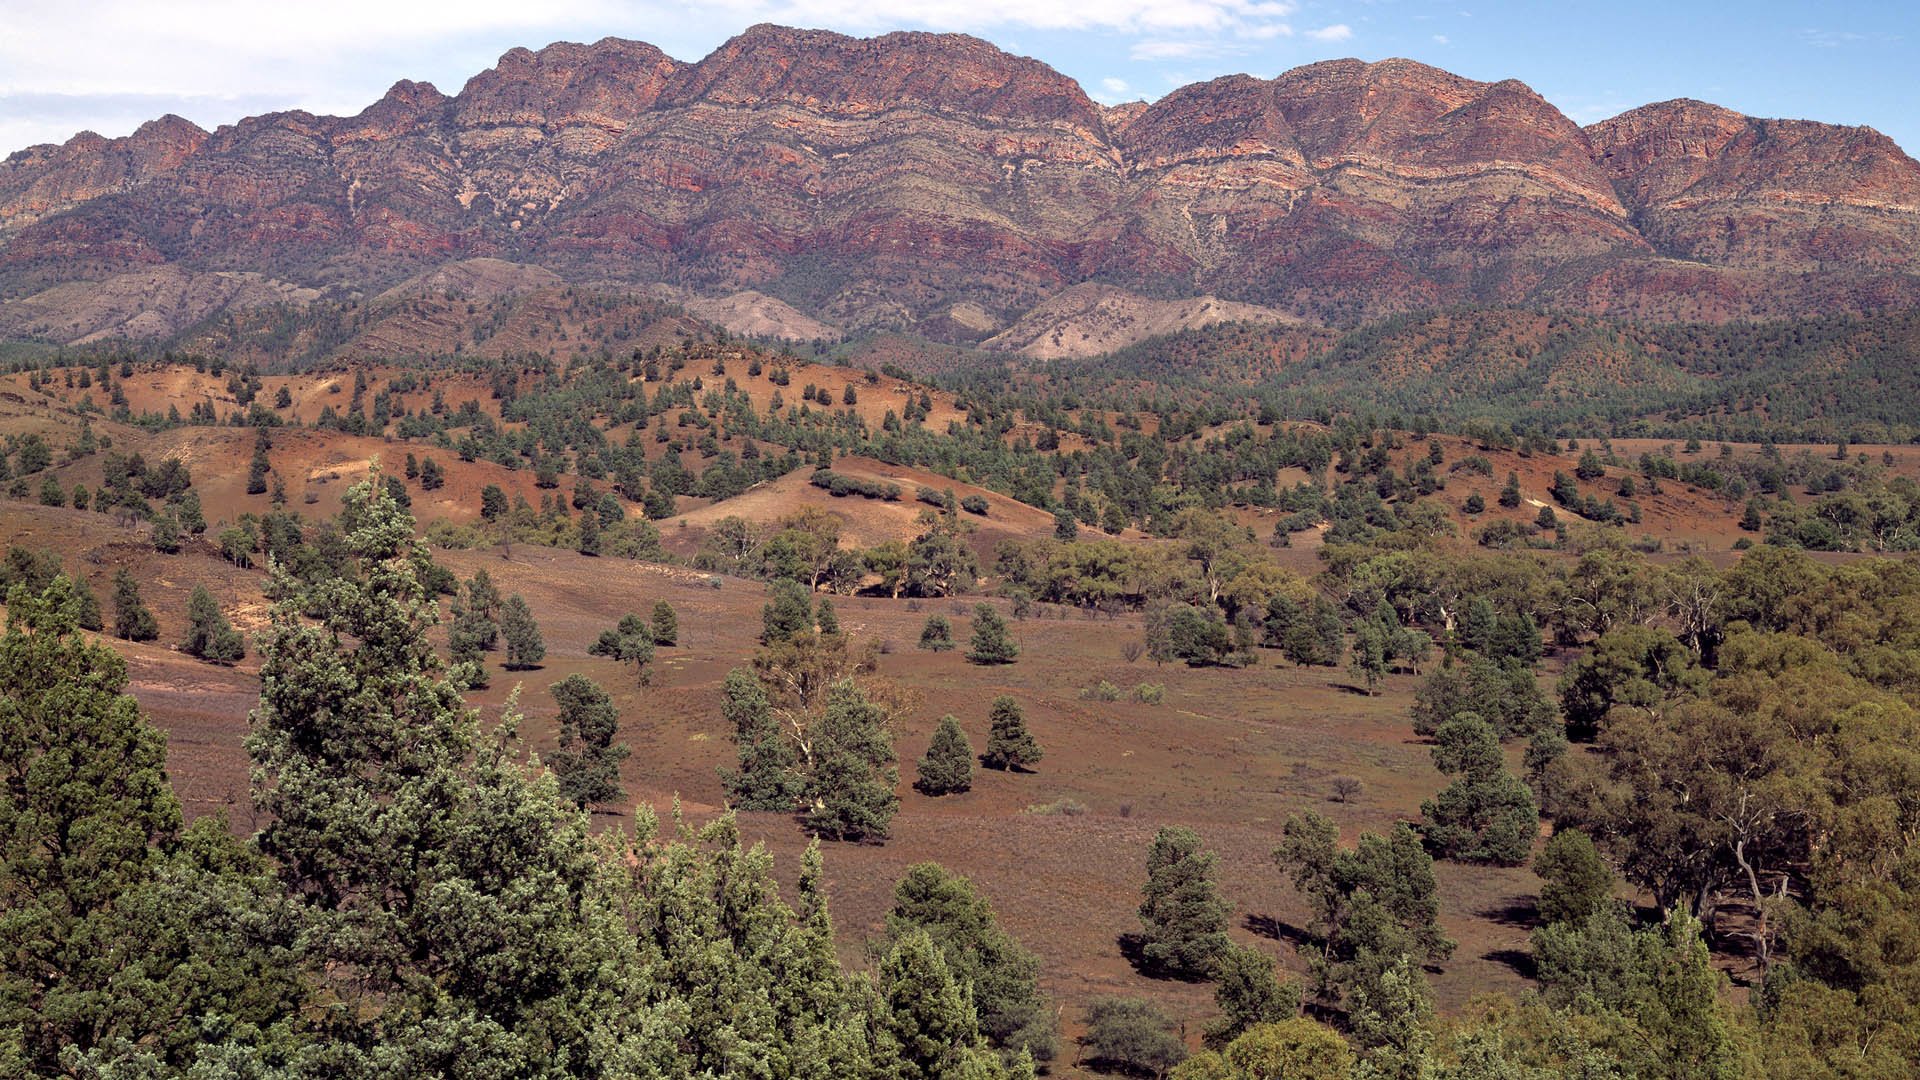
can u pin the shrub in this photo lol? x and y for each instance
(1132, 1034)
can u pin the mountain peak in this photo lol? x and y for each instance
(837, 74)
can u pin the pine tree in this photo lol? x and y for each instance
(191, 518)
(525, 648)
(425, 861)
(1009, 744)
(992, 642)
(765, 779)
(629, 642)
(926, 1023)
(948, 764)
(1576, 881)
(209, 635)
(850, 785)
(131, 619)
(1248, 994)
(787, 614)
(587, 764)
(937, 634)
(666, 625)
(166, 535)
(825, 618)
(257, 470)
(1486, 814)
(1183, 921)
(87, 611)
(1510, 492)
(589, 534)
(1014, 1017)
(120, 931)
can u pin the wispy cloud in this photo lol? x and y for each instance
(1336, 32)
(1184, 49)
(220, 59)
(1834, 39)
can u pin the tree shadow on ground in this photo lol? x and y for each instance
(1519, 961)
(1277, 930)
(1521, 911)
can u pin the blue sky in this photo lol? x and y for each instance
(107, 65)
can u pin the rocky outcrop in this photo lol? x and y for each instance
(938, 184)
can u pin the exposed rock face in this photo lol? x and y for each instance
(1089, 319)
(936, 183)
(1709, 184)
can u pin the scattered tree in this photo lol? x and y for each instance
(666, 625)
(1010, 746)
(1183, 920)
(992, 642)
(937, 634)
(948, 764)
(210, 636)
(587, 765)
(131, 619)
(525, 647)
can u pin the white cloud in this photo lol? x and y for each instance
(216, 60)
(1441, 39)
(1184, 49)
(1336, 32)
(1114, 86)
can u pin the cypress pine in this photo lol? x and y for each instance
(948, 765)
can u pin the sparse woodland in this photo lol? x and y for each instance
(1708, 765)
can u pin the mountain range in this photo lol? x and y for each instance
(935, 184)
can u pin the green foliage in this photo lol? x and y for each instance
(1187, 633)
(630, 642)
(1183, 920)
(937, 634)
(1289, 1049)
(948, 764)
(1371, 905)
(589, 529)
(379, 788)
(210, 636)
(587, 764)
(852, 776)
(1656, 987)
(1635, 667)
(992, 642)
(166, 535)
(525, 647)
(1132, 1034)
(665, 625)
(1009, 744)
(119, 929)
(131, 618)
(1013, 1015)
(787, 614)
(1486, 814)
(1248, 994)
(1503, 694)
(765, 779)
(1576, 881)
